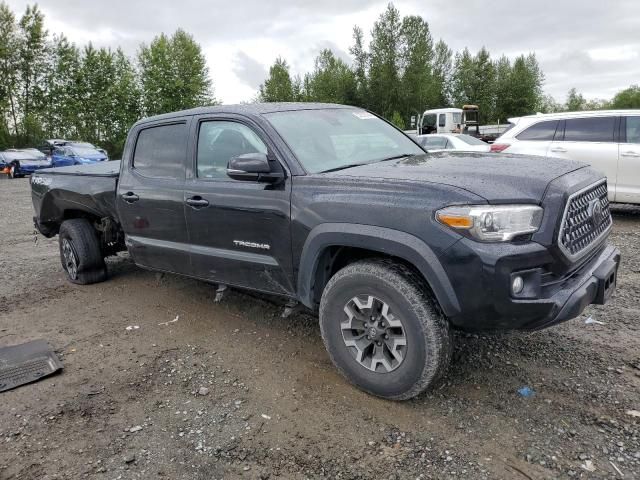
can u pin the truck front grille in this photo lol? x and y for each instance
(586, 219)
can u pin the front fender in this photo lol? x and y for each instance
(384, 240)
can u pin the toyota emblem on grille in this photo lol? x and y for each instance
(595, 211)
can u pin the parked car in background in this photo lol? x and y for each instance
(452, 141)
(48, 146)
(20, 162)
(79, 153)
(608, 140)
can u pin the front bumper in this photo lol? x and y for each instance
(483, 283)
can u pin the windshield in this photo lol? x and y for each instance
(469, 140)
(432, 142)
(430, 120)
(85, 151)
(338, 138)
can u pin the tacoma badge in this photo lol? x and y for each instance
(242, 243)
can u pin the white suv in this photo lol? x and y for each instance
(609, 140)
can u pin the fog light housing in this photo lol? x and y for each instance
(517, 285)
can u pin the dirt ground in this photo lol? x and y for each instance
(232, 390)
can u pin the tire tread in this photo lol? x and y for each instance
(91, 266)
(411, 285)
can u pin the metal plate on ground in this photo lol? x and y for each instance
(26, 363)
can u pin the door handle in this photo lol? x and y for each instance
(197, 202)
(630, 154)
(559, 150)
(130, 197)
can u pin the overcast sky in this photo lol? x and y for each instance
(591, 45)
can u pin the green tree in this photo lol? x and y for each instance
(398, 120)
(525, 87)
(420, 89)
(484, 84)
(332, 80)
(462, 79)
(384, 66)
(575, 101)
(503, 85)
(173, 74)
(442, 72)
(63, 103)
(548, 104)
(278, 87)
(627, 98)
(360, 67)
(32, 49)
(9, 76)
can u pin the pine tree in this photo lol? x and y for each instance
(420, 89)
(9, 77)
(173, 74)
(442, 72)
(332, 80)
(384, 66)
(360, 68)
(278, 87)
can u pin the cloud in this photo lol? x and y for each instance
(248, 70)
(592, 45)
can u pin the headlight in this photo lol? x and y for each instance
(487, 223)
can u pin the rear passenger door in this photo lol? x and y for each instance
(591, 140)
(239, 230)
(628, 185)
(150, 196)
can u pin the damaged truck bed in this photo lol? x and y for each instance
(61, 192)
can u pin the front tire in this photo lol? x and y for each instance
(382, 329)
(80, 252)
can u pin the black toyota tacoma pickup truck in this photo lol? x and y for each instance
(333, 207)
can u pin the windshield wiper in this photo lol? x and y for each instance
(335, 169)
(396, 157)
(351, 165)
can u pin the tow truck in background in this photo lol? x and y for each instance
(457, 120)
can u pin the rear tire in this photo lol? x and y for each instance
(383, 330)
(80, 252)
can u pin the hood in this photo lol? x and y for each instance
(497, 177)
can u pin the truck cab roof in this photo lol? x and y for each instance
(244, 109)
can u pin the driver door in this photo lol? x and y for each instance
(239, 230)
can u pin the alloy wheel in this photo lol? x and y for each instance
(70, 261)
(373, 334)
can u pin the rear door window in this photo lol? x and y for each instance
(541, 131)
(161, 151)
(443, 120)
(595, 129)
(632, 129)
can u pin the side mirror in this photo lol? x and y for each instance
(252, 167)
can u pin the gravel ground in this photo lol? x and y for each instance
(232, 390)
